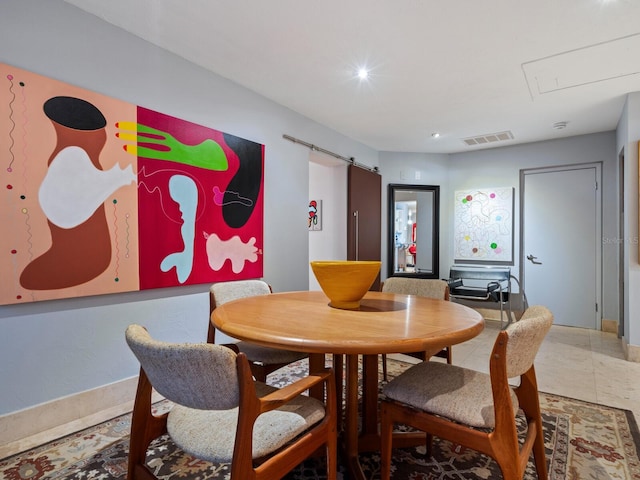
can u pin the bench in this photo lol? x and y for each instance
(482, 284)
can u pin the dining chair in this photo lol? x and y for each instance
(221, 414)
(263, 360)
(475, 409)
(424, 287)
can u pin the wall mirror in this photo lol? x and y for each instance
(413, 231)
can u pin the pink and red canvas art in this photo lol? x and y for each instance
(102, 196)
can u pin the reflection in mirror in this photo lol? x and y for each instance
(413, 230)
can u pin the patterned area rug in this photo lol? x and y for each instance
(583, 441)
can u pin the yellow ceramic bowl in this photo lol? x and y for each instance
(345, 282)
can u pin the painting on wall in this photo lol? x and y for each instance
(103, 196)
(483, 224)
(315, 215)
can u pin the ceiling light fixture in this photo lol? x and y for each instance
(435, 135)
(363, 73)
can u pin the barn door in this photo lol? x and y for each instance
(364, 229)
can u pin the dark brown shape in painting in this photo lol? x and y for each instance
(79, 254)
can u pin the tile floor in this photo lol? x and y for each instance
(574, 362)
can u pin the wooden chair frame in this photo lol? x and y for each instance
(146, 427)
(260, 370)
(502, 443)
(423, 356)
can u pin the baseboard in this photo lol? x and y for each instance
(631, 352)
(609, 326)
(494, 315)
(34, 426)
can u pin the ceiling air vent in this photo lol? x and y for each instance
(488, 138)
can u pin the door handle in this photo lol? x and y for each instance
(356, 214)
(532, 259)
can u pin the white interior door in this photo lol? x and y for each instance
(561, 248)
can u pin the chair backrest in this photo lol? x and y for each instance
(525, 338)
(224, 292)
(424, 287)
(196, 375)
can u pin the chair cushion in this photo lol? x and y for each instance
(210, 434)
(268, 356)
(457, 393)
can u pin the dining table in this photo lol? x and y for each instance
(385, 323)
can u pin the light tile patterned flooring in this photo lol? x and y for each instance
(574, 362)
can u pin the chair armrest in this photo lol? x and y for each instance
(286, 394)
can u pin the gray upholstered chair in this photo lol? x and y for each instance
(423, 287)
(474, 409)
(263, 360)
(220, 414)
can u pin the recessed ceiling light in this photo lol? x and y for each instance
(363, 73)
(435, 135)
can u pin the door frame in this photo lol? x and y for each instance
(598, 222)
(622, 245)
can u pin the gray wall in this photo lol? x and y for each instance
(57, 348)
(500, 167)
(628, 133)
(504, 165)
(416, 169)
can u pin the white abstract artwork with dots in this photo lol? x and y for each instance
(483, 224)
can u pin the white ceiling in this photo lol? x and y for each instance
(464, 68)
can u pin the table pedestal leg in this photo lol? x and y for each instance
(369, 438)
(351, 419)
(369, 396)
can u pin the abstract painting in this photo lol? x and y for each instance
(103, 196)
(483, 224)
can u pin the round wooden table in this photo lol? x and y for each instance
(385, 323)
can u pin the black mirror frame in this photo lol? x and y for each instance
(392, 189)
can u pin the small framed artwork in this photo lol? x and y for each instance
(315, 215)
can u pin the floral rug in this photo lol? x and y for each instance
(583, 441)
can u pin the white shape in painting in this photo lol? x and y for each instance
(185, 193)
(234, 249)
(74, 188)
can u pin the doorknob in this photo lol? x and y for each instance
(532, 259)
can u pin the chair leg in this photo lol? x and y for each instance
(384, 366)
(429, 444)
(338, 369)
(259, 373)
(386, 441)
(539, 455)
(530, 404)
(332, 456)
(144, 428)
